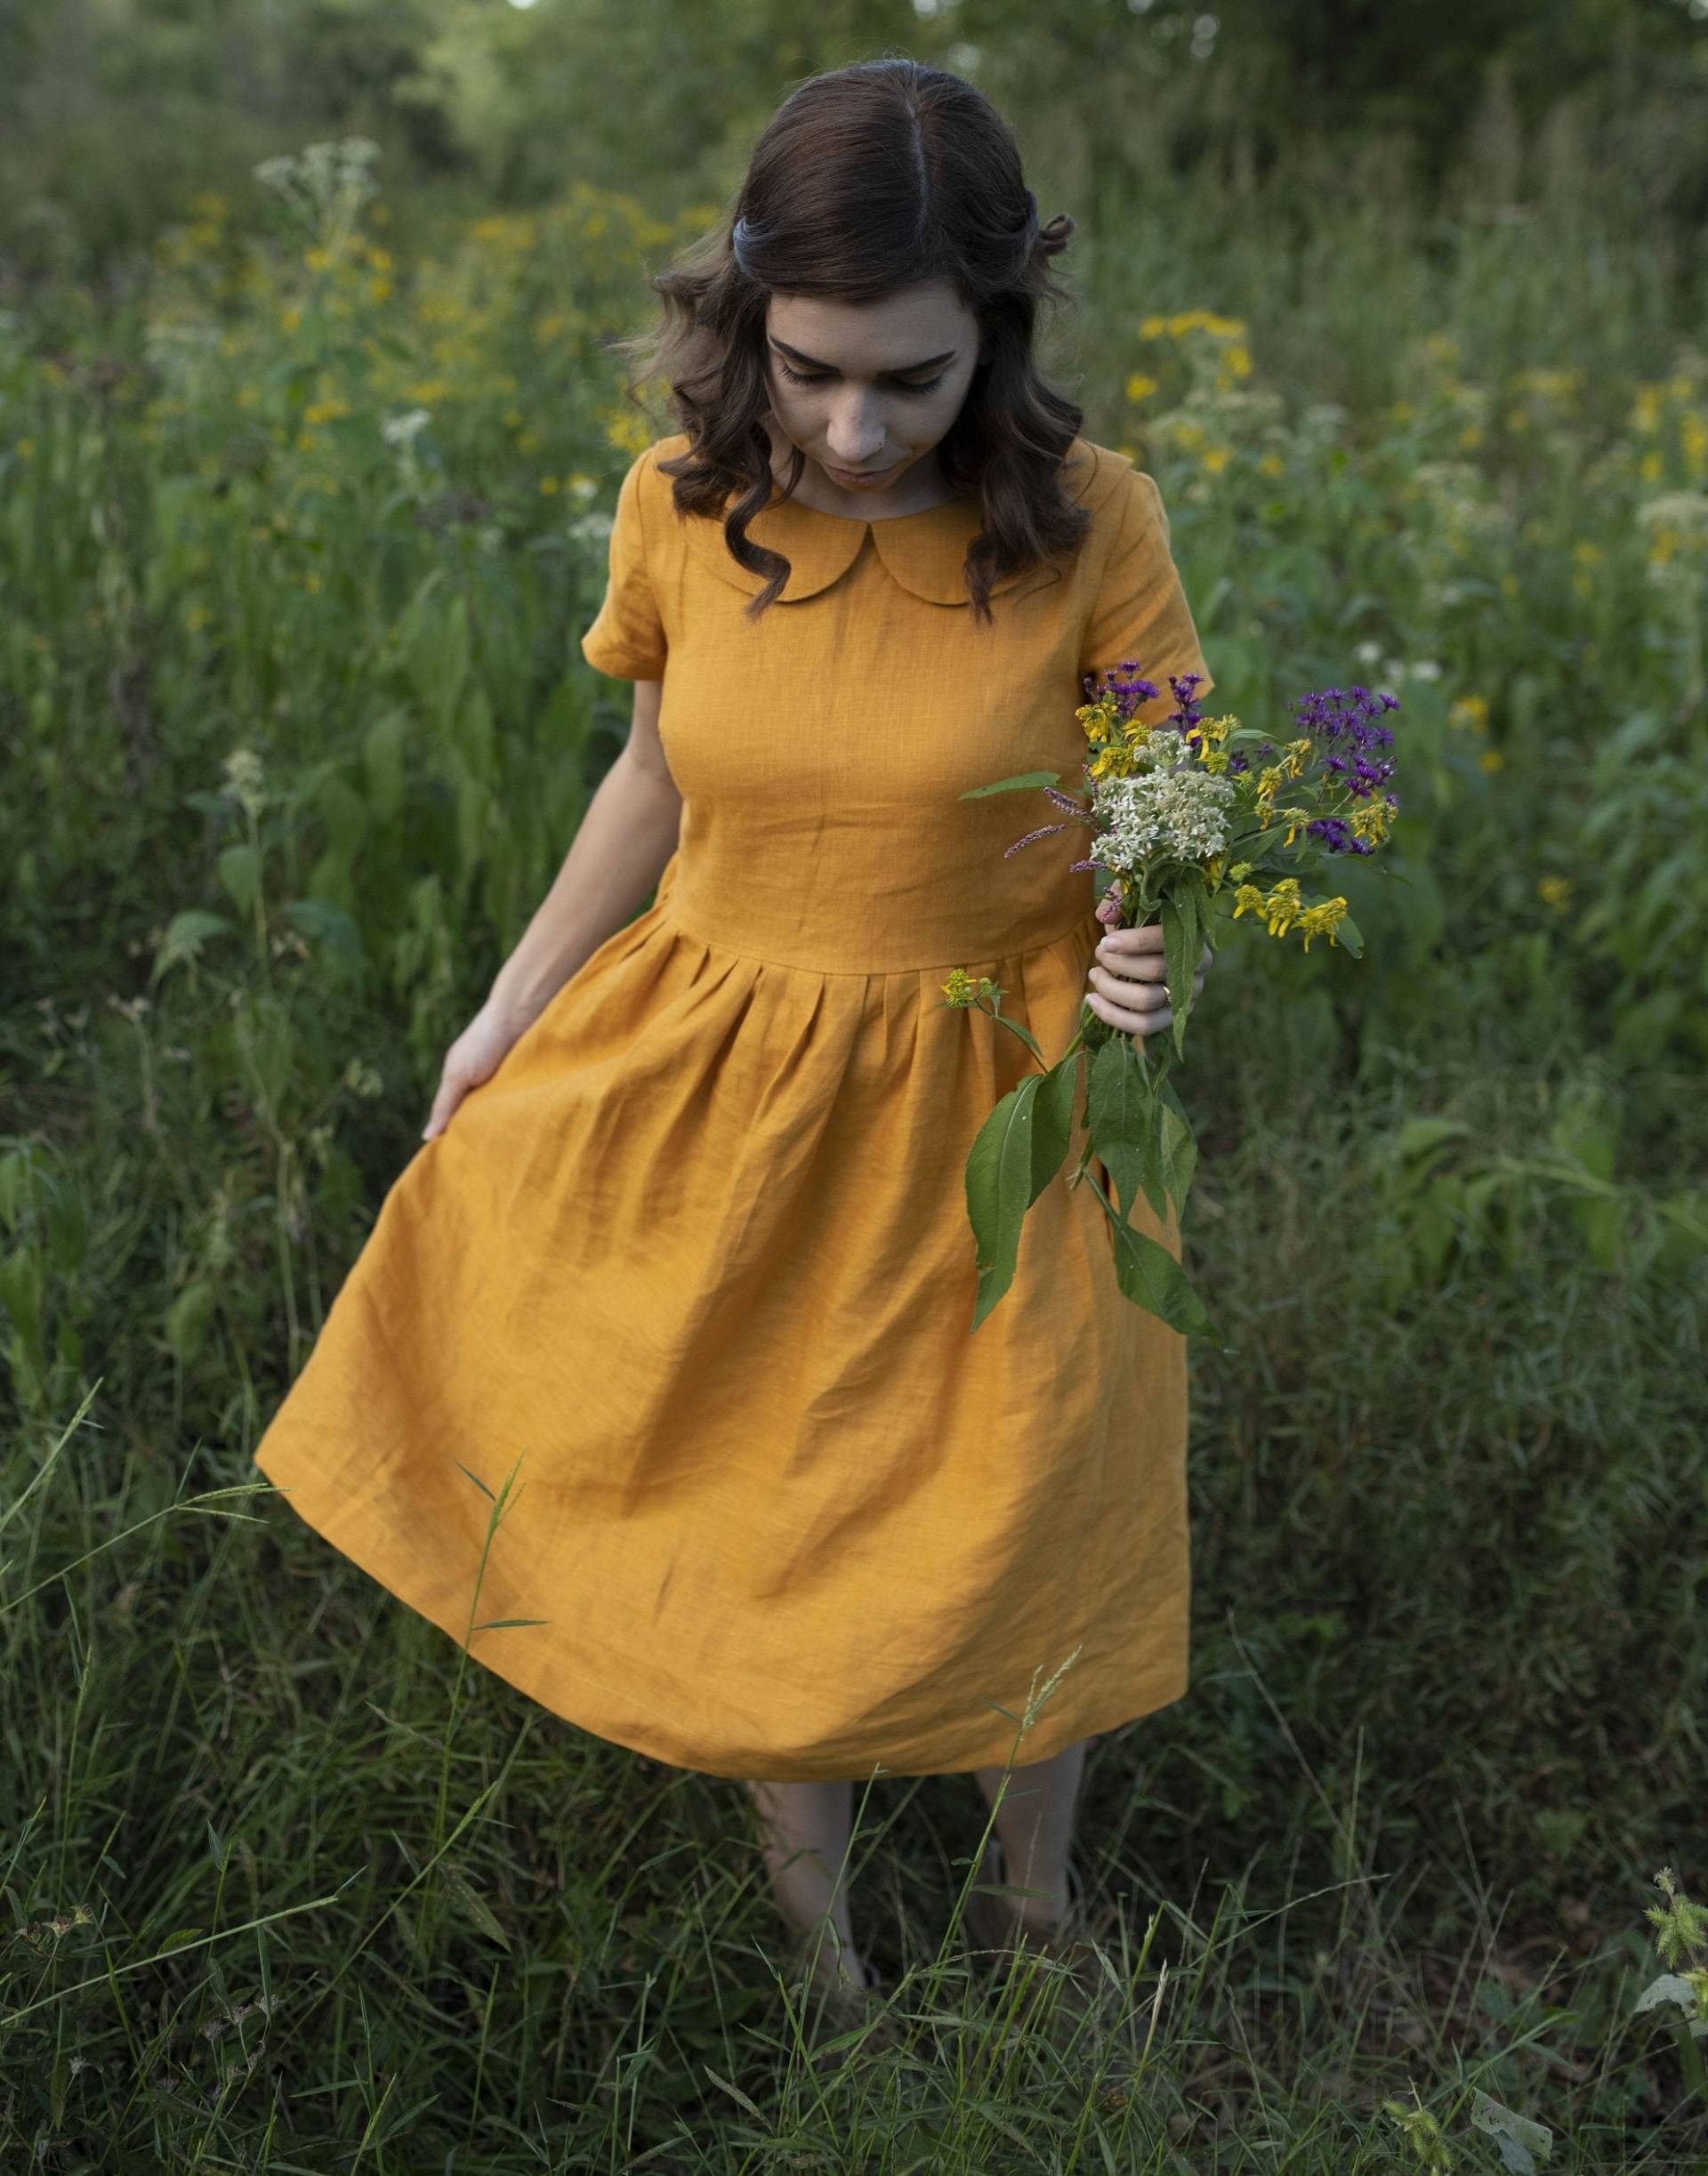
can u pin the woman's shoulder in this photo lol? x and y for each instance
(1109, 484)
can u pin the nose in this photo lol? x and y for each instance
(855, 435)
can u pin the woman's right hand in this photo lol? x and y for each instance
(474, 1057)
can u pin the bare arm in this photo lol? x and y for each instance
(614, 859)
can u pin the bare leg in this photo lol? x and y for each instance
(805, 1830)
(1035, 1822)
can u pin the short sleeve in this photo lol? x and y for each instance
(1141, 613)
(627, 638)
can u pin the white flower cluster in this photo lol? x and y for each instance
(1174, 810)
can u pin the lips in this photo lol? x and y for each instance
(860, 476)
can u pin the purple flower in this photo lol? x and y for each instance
(1121, 682)
(1341, 719)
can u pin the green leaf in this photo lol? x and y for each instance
(1007, 786)
(474, 1905)
(999, 1190)
(1180, 1147)
(1052, 1123)
(331, 927)
(382, 759)
(239, 869)
(1149, 1275)
(1120, 1116)
(1349, 937)
(1182, 942)
(187, 1320)
(186, 933)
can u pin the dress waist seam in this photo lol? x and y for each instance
(801, 967)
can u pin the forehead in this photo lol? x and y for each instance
(916, 320)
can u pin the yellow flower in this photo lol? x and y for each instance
(1281, 906)
(1272, 464)
(1139, 386)
(1556, 891)
(1369, 820)
(1322, 920)
(1216, 459)
(1470, 712)
(1490, 760)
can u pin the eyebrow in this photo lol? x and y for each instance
(900, 370)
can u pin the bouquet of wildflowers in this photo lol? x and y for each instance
(1185, 824)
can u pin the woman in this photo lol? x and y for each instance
(686, 1252)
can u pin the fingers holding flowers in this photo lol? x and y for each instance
(1129, 980)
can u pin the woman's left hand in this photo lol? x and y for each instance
(1129, 980)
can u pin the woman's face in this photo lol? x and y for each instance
(867, 390)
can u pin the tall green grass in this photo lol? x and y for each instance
(296, 547)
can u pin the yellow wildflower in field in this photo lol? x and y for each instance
(1490, 760)
(1187, 321)
(1469, 712)
(1216, 459)
(1556, 891)
(1139, 386)
(1272, 464)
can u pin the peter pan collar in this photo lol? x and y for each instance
(924, 552)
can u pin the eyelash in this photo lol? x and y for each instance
(929, 385)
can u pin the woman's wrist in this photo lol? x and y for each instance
(516, 1009)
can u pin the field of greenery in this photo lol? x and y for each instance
(298, 535)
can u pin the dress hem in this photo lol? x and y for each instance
(1053, 1732)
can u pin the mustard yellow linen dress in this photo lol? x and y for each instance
(695, 1260)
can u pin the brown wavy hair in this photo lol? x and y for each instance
(868, 179)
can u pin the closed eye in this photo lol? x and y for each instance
(823, 377)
